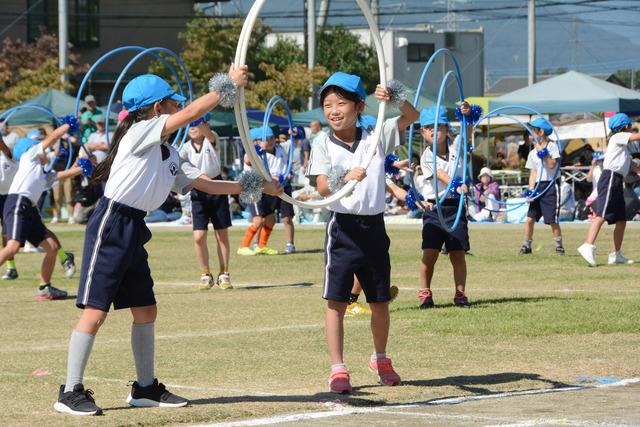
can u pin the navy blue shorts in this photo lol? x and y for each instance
(434, 235)
(357, 245)
(3, 199)
(547, 205)
(212, 208)
(610, 201)
(115, 268)
(22, 221)
(269, 204)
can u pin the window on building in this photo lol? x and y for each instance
(84, 20)
(420, 52)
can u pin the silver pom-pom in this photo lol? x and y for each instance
(398, 93)
(226, 88)
(251, 184)
(336, 178)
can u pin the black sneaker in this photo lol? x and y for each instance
(525, 250)
(11, 274)
(77, 402)
(560, 251)
(155, 395)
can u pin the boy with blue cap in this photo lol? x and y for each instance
(263, 212)
(356, 239)
(21, 216)
(542, 163)
(609, 204)
(434, 236)
(140, 170)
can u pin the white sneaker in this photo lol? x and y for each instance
(54, 220)
(29, 248)
(72, 220)
(618, 258)
(588, 252)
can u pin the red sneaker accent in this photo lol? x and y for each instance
(385, 371)
(426, 298)
(339, 382)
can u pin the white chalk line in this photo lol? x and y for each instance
(210, 334)
(437, 402)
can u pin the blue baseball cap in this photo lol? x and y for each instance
(35, 134)
(366, 122)
(22, 146)
(428, 117)
(145, 90)
(256, 133)
(542, 123)
(618, 121)
(348, 82)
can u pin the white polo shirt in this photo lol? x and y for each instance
(368, 195)
(617, 157)
(278, 161)
(146, 168)
(8, 170)
(542, 170)
(206, 160)
(444, 163)
(30, 179)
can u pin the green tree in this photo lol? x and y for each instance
(209, 46)
(340, 50)
(625, 77)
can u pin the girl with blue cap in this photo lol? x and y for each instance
(609, 204)
(435, 238)
(356, 240)
(21, 216)
(140, 170)
(542, 162)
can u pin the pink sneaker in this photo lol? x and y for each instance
(339, 382)
(385, 371)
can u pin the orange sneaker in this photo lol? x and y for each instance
(339, 382)
(385, 371)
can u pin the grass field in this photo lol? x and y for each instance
(536, 322)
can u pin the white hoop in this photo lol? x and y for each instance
(241, 109)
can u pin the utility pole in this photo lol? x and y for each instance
(63, 38)
(374, 11)
(322, 15)
(532, 42)
(311, 40)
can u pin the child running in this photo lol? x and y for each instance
(263, 212)
(8, 169)
(542, 163)
(200, 151)
(140, 170)
(21, 216)
(434, 236)
(356, 240)
(609, 204)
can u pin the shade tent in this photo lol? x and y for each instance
(571, 92)
(371, 109)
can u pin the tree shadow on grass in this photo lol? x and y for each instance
(356, 399)
(289, 285)
(486, 302)
(474, 383)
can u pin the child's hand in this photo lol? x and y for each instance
(240, 76)
(465, 108)
(404, 165)
(272, 188)
(463, 189)
(355, 173)
(382, 94)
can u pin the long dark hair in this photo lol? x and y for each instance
(103, 169)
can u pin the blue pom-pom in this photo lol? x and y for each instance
(412, 198)
(455, 184)
(474, 115)
(87, 166)
(543, 153)
(63, 152)
(259, 149)
(73, 123)
(281, 178)
(529, 193)
(389, 169)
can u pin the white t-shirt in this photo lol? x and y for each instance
(617, 157)
(146, 168)
(206, 160)
(11, 139)
(30, 179)
(595, 177)
(97, 137)
(278, 161)
(8, 170)
(368, 195)
(444, 163)
(542, 170)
